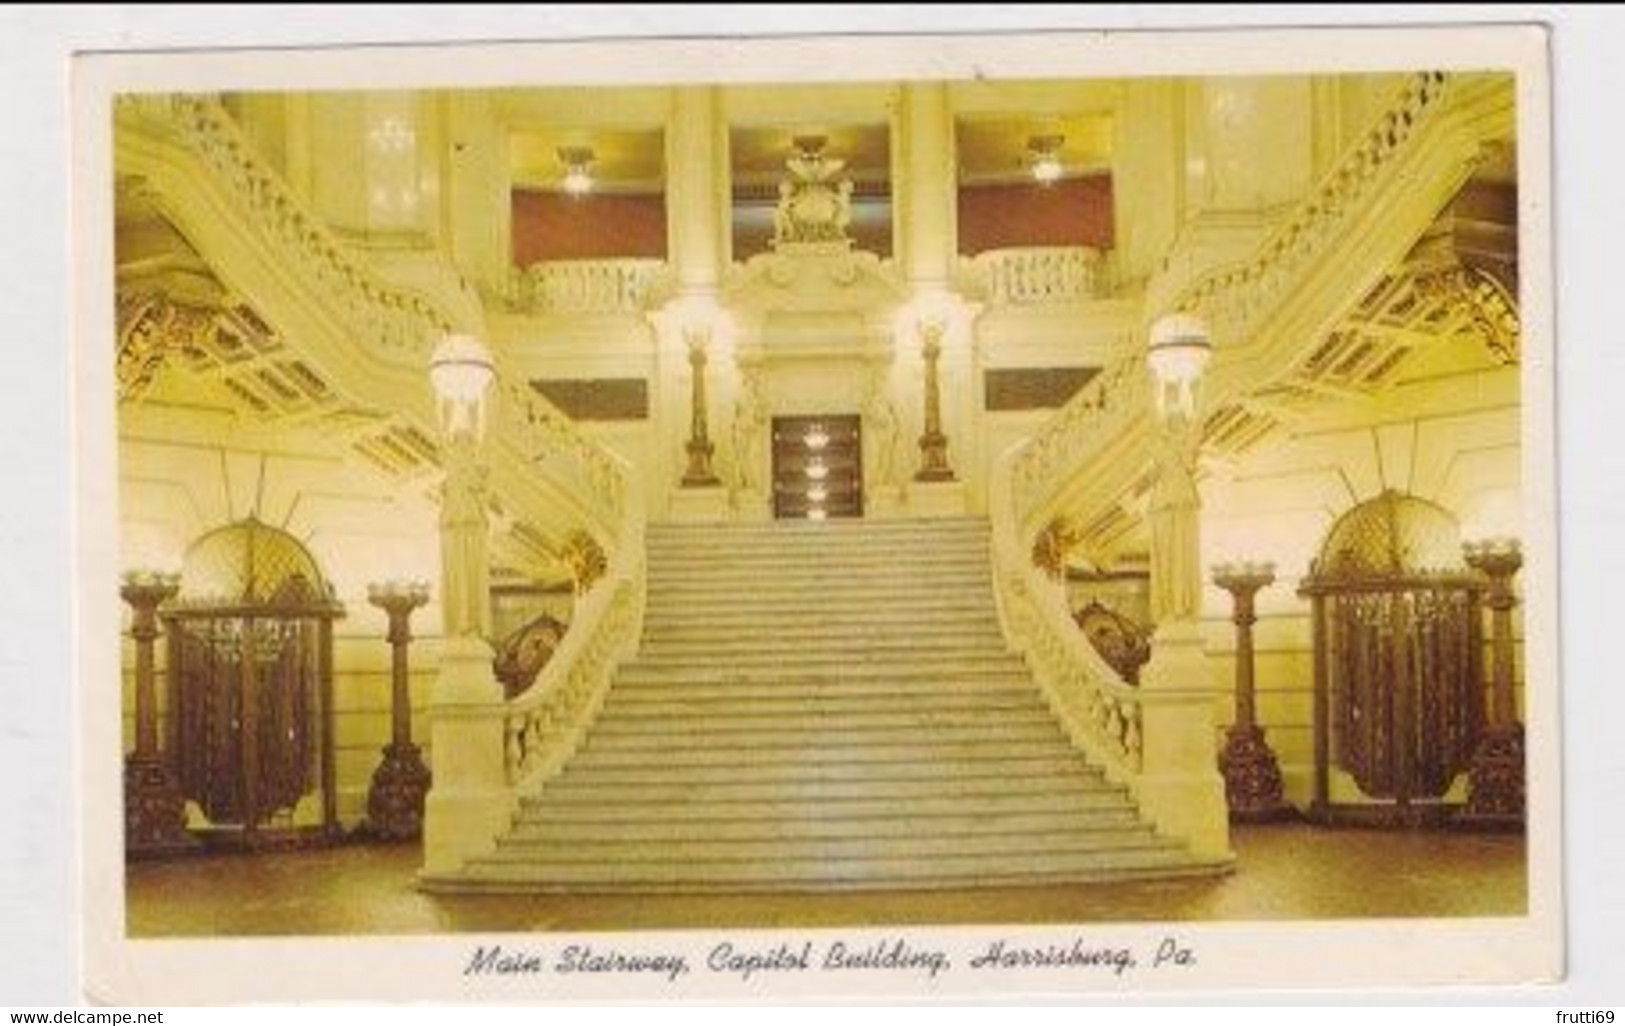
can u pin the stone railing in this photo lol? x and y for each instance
(586, 286)
(1238, 301)
(1099, 712)
(1036, 275)
(545, 724)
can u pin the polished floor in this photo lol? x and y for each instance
(1283, 872)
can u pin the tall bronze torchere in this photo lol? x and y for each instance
(933, 443)
(401, 781)
(1252, 777)
(699, 473)
(154, 808)
(1495, 781)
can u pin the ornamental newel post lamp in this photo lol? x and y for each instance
(469, 801)
(154, 809)
(1177, 355)
(399, 784)
(1252, 776)
(1495, 781)
(934, 464)
(700, 448)
(462, 372)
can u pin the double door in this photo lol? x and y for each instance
(817, 467)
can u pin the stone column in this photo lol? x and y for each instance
(1495, 783)
(1180, 785)
(699, 473)
(1252, 776)
(401, 781)
(933, 443)
(696, 190)
(154, 809)
(926, 227)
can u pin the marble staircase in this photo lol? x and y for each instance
(822, 706)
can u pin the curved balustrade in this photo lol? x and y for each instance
(1140, 735)
(1099, 712)
(1237, 301)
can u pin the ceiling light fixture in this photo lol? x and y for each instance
(816, 437)
(1044, 158)
(577, 161)
(816, 471)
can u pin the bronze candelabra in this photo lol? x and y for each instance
(154, 807)
(699, 447)
(934, 464)
(1252, 776)
(401, 781)
(1495, 780)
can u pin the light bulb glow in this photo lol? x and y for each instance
(1047, 169)
(816, 471)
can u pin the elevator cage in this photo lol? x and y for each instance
(1399, 693)
(250, 681)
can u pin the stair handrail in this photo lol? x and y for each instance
(1100, 713)
(1234, 299)
(528, 431)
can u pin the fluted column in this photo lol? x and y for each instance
(1252, 776)
(1495, 783)
(154, 809)
(401, 781)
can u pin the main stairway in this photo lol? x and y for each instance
(822, 706)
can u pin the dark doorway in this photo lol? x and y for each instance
(817, 468)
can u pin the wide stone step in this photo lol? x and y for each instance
(818, 632)
(1067, 764)
(825, 874)
(632, 683)
(825, 588)
(881, 558)
(920, 753)
(859, 723)
(824, 533)
(857, 661)
(559, 825)
(531, 848)
(740, 617)
(748, 608)
(795, 736)
(738, 702)
(585, 787)
(834, 808)
(880, 649)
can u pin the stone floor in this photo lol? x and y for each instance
(1284, 872)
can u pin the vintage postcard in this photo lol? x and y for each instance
(833, 517)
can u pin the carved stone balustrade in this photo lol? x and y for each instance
(587, 286)
(1037, 275)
